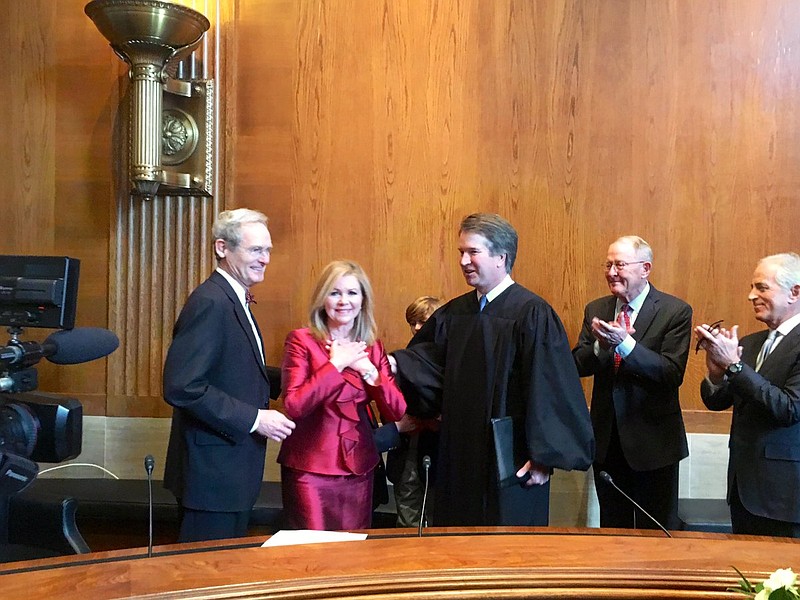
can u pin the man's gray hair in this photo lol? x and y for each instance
(228, 225)
(642, 248)
(787, 268)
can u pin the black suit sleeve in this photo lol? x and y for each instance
(386, 437)
(587, 362)
(781, 402)
(716, 397)
(666, 366)
(192, 359)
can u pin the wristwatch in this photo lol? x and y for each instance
(734, 369)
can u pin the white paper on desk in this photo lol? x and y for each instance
(292, 537)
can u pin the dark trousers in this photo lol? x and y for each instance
(656, 491)
(201, 525)
(745, 522)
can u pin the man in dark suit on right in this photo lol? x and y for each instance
(635, 343)
(759, 376)
(217, 383)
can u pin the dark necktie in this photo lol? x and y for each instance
(625, 319)
(249, 298)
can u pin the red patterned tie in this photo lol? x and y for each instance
(625, 319)
(249, 298)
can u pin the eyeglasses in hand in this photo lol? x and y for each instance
(713, 329)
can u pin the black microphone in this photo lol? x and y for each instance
(65, 347)
(79, 345)
(149, 463)
(607, 478)
(426, 464)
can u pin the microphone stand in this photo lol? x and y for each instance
(607, 478)
(149, 463)
(426, 464)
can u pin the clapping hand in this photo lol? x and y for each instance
(609, 334)
(721, 346)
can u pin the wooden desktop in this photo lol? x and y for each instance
(445, 563)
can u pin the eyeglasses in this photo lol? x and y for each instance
(620, 265)
(257, 251)
(713, 329)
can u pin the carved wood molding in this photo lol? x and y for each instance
(160, 251)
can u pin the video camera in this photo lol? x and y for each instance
(42, 292)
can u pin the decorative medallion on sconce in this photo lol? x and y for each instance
(178, 136)
(170, 135)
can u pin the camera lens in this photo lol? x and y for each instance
(19, 429)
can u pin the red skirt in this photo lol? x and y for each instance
(326, 502)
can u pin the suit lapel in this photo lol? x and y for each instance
(610, 309)
(241, 317)
(647, 313)
(786, 348)
(752, 347)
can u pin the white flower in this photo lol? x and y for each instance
(782, 583)
(782, 578)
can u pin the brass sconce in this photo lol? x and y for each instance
(172, 133)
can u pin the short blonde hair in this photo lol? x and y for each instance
(421, 309)
(364, 328)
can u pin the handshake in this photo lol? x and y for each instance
(410, 424)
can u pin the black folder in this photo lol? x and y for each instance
(510, 449)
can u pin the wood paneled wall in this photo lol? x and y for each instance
(60, 91)
(367, 130)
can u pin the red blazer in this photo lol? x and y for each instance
(332, 434)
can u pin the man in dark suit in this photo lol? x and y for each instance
(760, 377)
(216, 381)
(635, 343)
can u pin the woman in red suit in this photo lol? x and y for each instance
(331, 370)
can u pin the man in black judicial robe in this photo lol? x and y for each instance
(501, 351)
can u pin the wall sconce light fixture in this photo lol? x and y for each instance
(148, 35)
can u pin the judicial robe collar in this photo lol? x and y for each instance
(496, 290)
